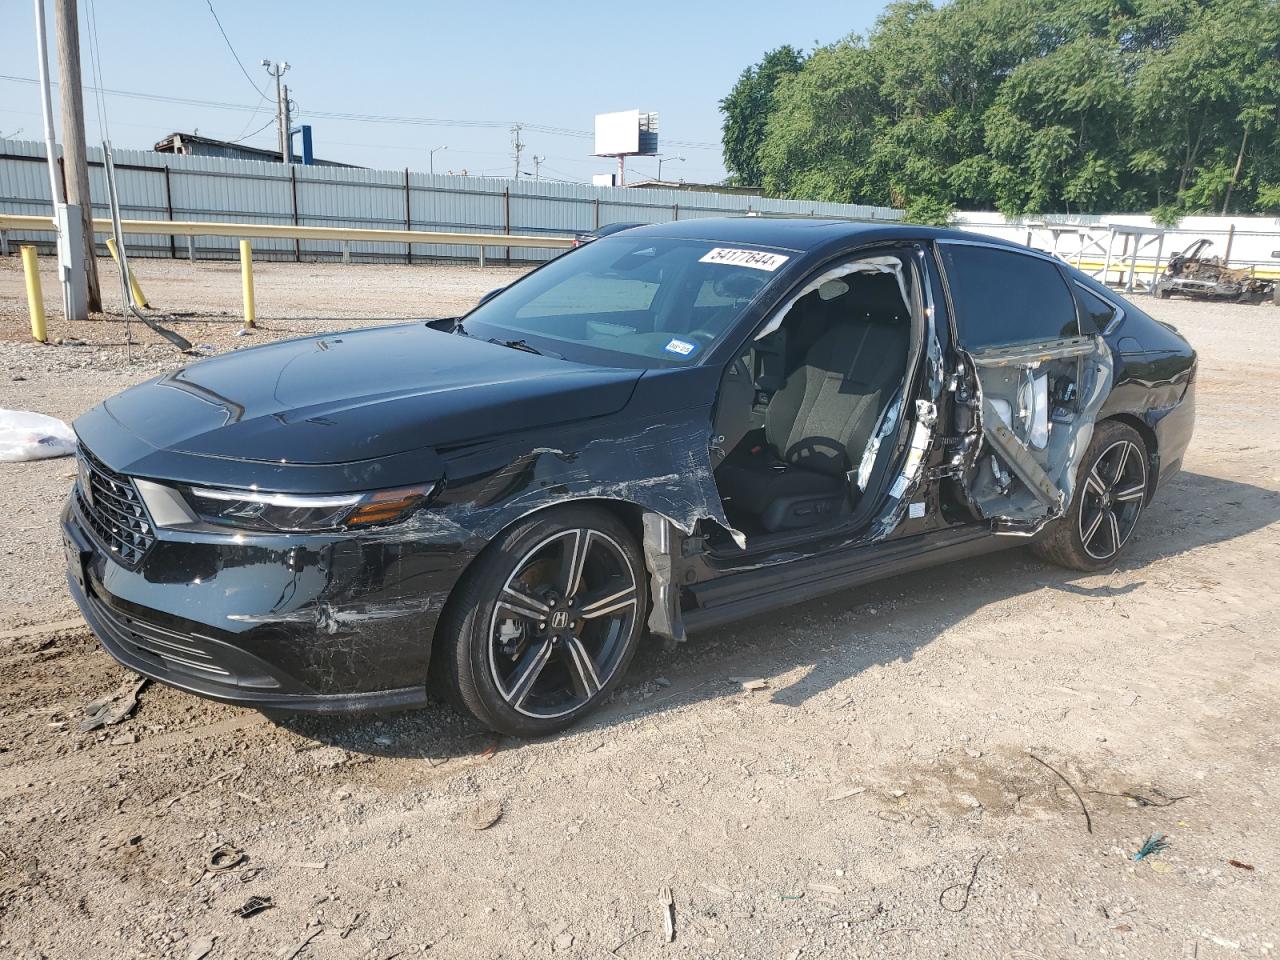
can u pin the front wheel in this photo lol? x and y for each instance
(544, 624)
(1111, 490)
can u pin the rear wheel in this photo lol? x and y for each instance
(1111, 490)
(545, 622)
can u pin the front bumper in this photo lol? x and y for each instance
(329, 624)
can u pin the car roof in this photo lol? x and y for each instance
(802, 234)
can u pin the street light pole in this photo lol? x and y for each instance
(431, 159)
(662, 160)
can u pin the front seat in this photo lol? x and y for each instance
(818, 424)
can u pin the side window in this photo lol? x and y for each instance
(1004, 297)
(1097, 312)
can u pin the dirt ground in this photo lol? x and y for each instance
(912, 781)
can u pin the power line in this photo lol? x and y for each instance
(234, 54)
(255, 133)
(378, 118)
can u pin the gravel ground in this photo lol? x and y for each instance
(882, 795)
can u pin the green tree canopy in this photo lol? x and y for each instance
(746, 110)
(1027, 106)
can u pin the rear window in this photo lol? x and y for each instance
(1098, 314)
(1004, 297)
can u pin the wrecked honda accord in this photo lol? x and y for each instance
(667, 429)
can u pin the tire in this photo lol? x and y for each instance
(543, 625)
(1107, 504)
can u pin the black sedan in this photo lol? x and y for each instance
(667, 429)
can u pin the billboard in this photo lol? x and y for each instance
(627, 133)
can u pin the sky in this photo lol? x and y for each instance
(544, 64)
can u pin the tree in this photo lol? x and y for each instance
(1028, 106)
(746, 111)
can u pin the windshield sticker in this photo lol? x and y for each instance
(755, 259)
(681, 347)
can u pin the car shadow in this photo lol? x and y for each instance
(1193, 511)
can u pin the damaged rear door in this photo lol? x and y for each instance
(1029, 386)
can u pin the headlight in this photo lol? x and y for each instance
(295, 513)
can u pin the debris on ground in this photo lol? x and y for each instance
(1153, 845)
(1088, 820)
(1161, 798)
(225, 857)
(751, 683)
(667, 903)
(844, 794)
(254, 906)
(33, 436)
(960, 899)
(200, 948)
(303, 944)
(562, 942)
(110, 709)
(484, 815)
(1239, 865)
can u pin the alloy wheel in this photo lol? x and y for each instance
(561, 623)
(1114, 491)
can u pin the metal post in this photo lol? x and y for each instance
(135, 288)
(293, 185)
(246, 283)
(191, 249)
(35, 298)
(408, 221)
(345, 247)
(76, 180)
(506, 217)
(1231, 236)
(4, 243)
(1156, 268)
(168, 205)
(482, 257)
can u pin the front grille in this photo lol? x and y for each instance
(111, 504)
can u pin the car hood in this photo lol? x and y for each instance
(360, 395)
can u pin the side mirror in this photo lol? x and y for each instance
(490, 295)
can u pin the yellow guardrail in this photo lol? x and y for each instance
(196, 228)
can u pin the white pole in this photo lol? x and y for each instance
(46, 104)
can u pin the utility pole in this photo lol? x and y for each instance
(288, 127)
(278, 70)
(67, 221)
(75, 161)
(517, 146)
(537, 167)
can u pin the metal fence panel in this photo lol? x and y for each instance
(156, 186)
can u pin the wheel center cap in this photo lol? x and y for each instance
(559, 619)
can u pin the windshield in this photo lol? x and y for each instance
(629, 301)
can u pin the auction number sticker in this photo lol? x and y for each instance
(755, 259)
